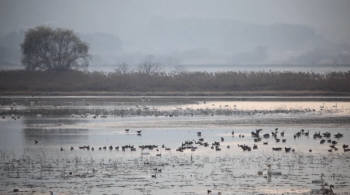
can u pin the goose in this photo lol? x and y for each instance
(287, 149)
(307, 133)
(36, 141)
(338, 135)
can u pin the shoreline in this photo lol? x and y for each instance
(273, 93)
(229, 96)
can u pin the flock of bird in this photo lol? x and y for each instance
(192, 145)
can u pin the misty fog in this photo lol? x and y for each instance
(188, 33)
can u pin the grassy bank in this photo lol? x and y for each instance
(187, 83)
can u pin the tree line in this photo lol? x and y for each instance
(73, 81)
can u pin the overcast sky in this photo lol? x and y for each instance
(130, 19)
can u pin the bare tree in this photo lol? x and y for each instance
(122, 68)
(149, 66)
(45, 48)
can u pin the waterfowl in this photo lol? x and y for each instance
(256, 134)
(199, 133)
(322, 141)
(276, 148)
(317, 135)
(222, 139)
(139, 132)
(36, 141)
(327, 134)
(338, 135)
(287, 149)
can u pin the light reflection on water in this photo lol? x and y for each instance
(229, 170)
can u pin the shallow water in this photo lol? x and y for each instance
(66, 122)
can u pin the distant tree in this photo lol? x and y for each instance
(122, 68)
(45, 48)
(149, 66)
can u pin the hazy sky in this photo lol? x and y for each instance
(129, 20)
(329, 17)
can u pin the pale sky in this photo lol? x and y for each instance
(318, 22)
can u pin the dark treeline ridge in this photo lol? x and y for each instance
(74, 81)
